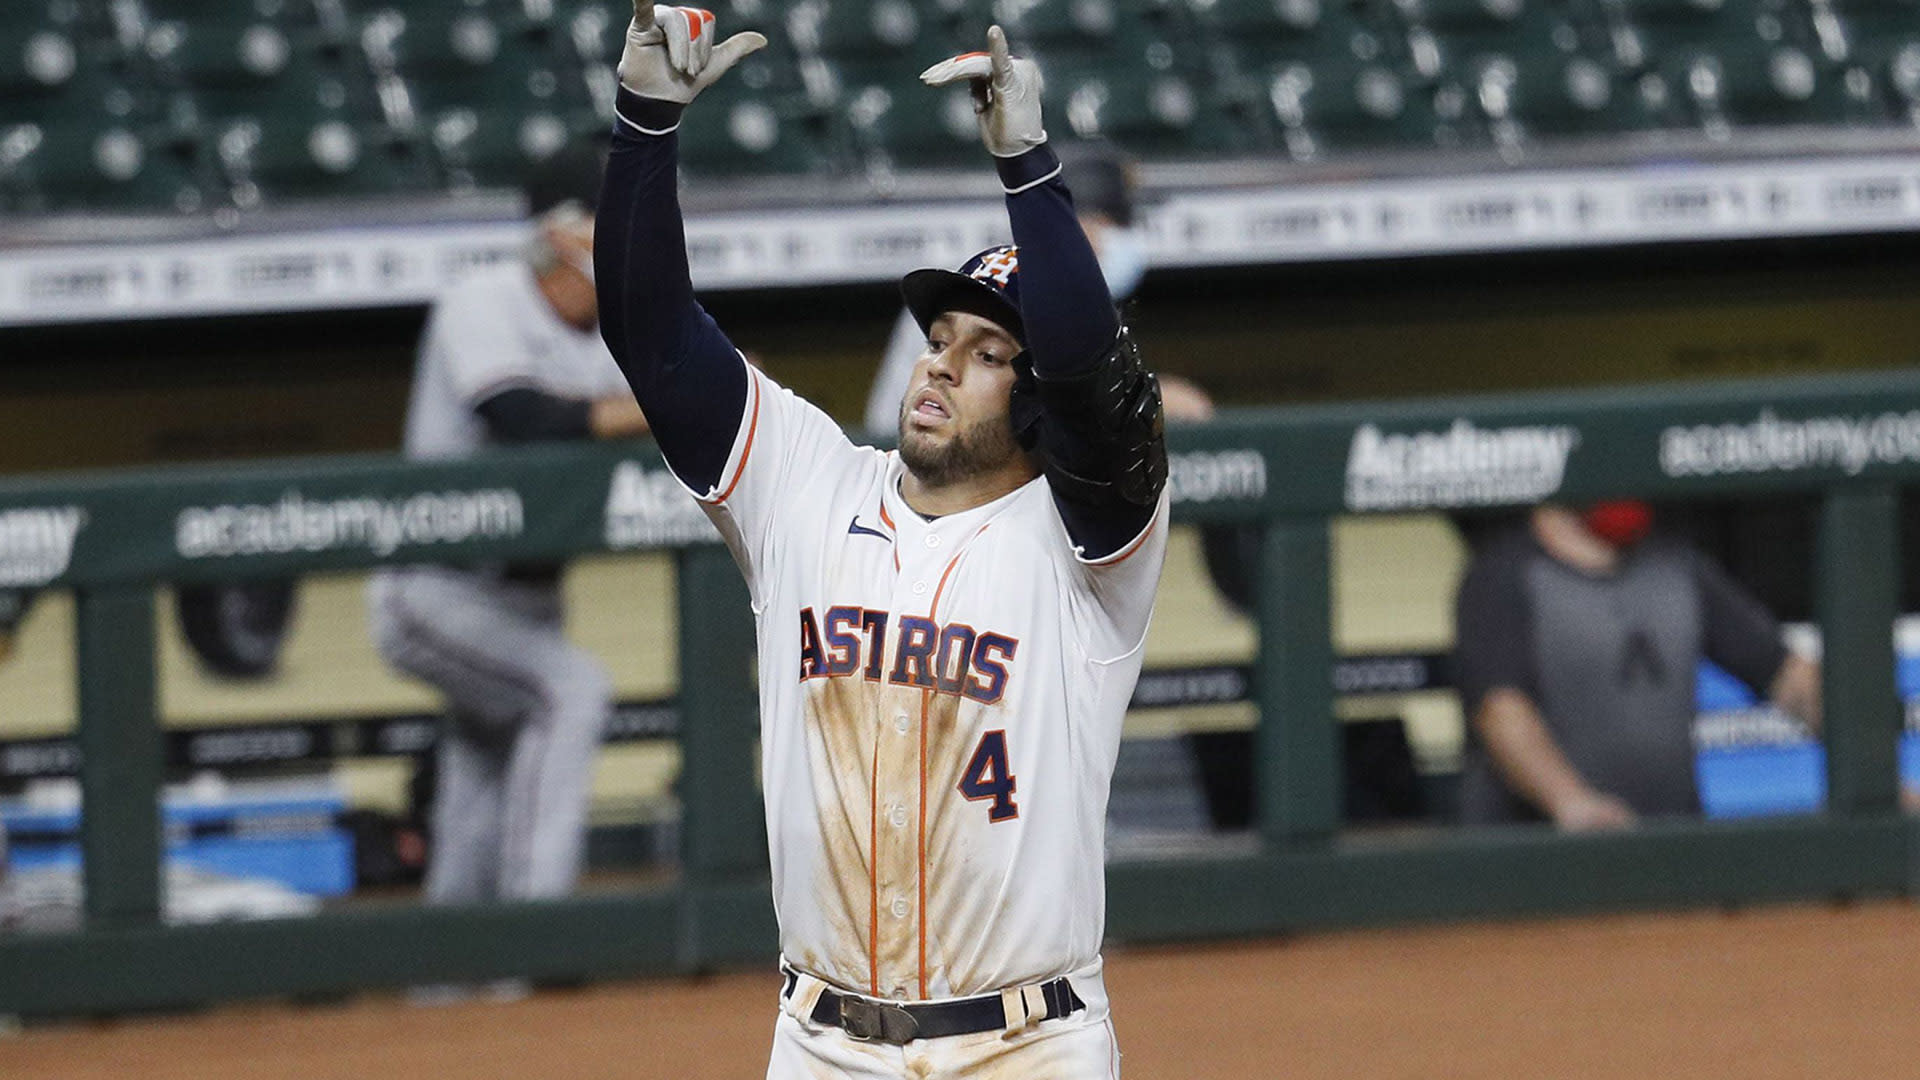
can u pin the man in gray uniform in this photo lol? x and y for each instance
(511, 355)
(1577, 643)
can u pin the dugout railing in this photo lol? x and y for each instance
(112, 537)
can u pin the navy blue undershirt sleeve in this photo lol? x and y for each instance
(688, 378)
(1070, 318)
(1742, 636)
(1071, 321)
(522, 414)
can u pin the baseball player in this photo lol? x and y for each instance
(1103, 184)
(948, 633)
(511, 355)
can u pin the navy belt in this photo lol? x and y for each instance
(900, 1023)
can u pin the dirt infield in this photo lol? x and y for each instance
(1814, 992)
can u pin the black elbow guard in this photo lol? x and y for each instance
(1100, 435)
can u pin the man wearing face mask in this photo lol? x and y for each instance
(511, 355)
(1578, 637)
(1103, 186)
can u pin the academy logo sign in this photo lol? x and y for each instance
(1464, 465)
(649, 508)
(1209, 476)
(380, 525)
(36, 543)
(1770, 444)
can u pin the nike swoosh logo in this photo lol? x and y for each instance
(854, 528)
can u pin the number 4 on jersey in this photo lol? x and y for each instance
(988, 777)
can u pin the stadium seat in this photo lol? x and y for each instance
(1090, 24)
(853, 28)
(1150, 83)
(487, 100)
(1257, 20)
(757, 122)
(1465, 34)
(214, 53)
(1875, 47)
(36, 62)
(275, 157)
(891, 121)
(1647, 34)
(595, 31)
(1561, 95)
(109, 163)
(1150, 111)
(1261, 33)
(1890, 67)
(1344, 105)
(1253, 41)
(1755, 84)
(305, 98)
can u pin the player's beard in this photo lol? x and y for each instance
(977, 448)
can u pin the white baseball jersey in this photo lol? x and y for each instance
(493, 332)
(941, 704)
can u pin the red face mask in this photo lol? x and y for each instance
(1620, 522)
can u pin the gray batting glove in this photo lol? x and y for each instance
(671, 55)
(1006, 94)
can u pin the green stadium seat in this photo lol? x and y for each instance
(1150, 111)
(1248, 20)
(1891, 67)
(893, 121)
(278, 99)
(1041, 24)
(210, 55)
(1339, 106)
(1146, 79)
(1875, 46)
(1265, 32)
(493, 144)
(1254, 41)
(854, 28)
(1464, 34)
(70, 168)
(1561, 96)
(595, 31)
(36, 61)
(420, 39)
(277, 157)
(487, 100)
(1755, 84)
(1647, 34)
(757, 121)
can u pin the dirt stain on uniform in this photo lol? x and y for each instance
(840, 731)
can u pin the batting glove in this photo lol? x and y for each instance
(671, 55)
(1006, 94)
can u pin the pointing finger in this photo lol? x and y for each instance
(643, 15)
(1001, 57)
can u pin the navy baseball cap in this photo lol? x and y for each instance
(987, 285)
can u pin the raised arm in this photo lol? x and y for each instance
(1099, 428)
(687, 377)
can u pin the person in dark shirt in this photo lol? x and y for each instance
(1578, 637)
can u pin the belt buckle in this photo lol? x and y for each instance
(877, 1021)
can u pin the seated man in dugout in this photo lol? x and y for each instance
(1578, 635)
